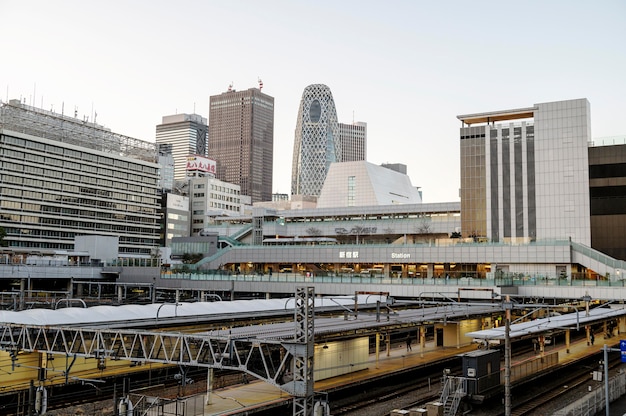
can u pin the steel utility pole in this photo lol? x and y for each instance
(507, 305)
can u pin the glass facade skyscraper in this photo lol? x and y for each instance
(241, 140)
(353, 141)
(316, 143)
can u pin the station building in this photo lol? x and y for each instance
(524, 212)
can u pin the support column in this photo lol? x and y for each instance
(378, 335)
(120, 294)
(22, 293)
(209, 386)
(621, 325)
(388, 342)
(79, 290)
(422, 340)
(567, 340)
(303, 357)
(430, 270)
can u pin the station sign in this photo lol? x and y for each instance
(622, 349)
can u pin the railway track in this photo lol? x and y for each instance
(555, 389)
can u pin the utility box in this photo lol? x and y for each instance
(434, 409)
(482, 370)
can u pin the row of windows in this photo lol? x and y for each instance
(228, 207)
(68, 176)
(219, 197)
(79, 226)
(22, 214)
(68, 170)
(80, 190)
(75, 154)
(46, 196)
(67, 206)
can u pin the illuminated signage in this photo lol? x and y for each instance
(400, 255)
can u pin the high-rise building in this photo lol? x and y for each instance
(166, 167)
(524, 173)
(176, 218)
(353, 139)
(607, 177)
(61, 177)
(316, 143)
(241, 140)
(187, 134)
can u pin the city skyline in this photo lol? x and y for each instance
(407, 69)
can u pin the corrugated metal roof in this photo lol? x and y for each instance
(553, 323)
(103, 314)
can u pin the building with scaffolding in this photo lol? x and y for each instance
(62, 177)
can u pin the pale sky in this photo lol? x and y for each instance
(406, 68)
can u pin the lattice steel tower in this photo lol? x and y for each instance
(317, 143)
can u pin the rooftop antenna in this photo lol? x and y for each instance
(230, 87)
(260, 84)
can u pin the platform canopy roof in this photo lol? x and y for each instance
(553, 323)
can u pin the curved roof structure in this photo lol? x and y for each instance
(553, 323)
(99, 315)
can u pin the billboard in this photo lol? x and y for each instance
(198, 163)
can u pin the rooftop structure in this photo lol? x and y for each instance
(22, 118)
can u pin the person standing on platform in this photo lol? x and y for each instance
(408, 342)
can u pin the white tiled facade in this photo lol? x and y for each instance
(211, 197)
(562, 134)
(361, 183)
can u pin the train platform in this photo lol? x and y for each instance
(238, 399)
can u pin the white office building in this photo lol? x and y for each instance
(525, 173)
(187, 134)
(61, 177)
